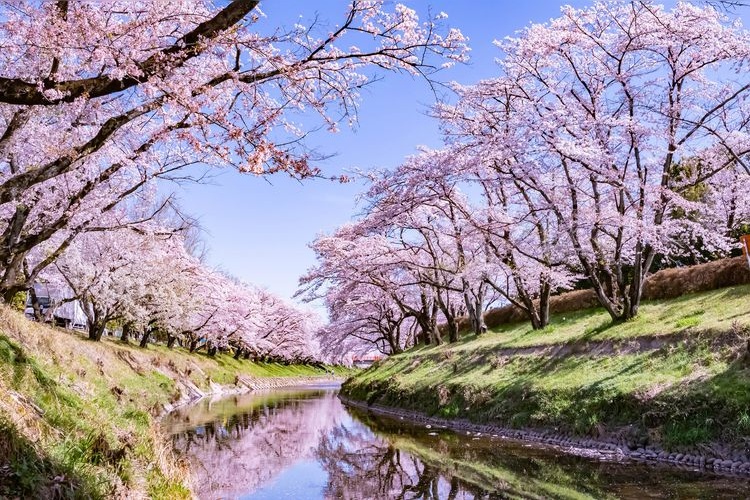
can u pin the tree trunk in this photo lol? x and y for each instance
(96, 329)
(35, 304)
(474, 306)
(193, 345)
(435, 336)
(437, 339)
(544, 297)
(430, 332)
(452, 329)
(476, 317)
(641, 271)
(144, 339)
(533, 310)
(538, 313)
(126, 332)
(170, 341)
(8, 294)
(212, 351)
(394, 347)
(238, 353)
(423, 337)
(13, 279)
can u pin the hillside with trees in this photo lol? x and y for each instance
(612, 143)
(607, 157)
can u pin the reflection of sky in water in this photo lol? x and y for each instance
(305, 479)
(242, 443)
(303, 444)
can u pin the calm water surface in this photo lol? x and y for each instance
(304, 444)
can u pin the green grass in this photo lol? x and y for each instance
(85, 412)
(89, 439)
(25, 468)
(679, 395)
(716, 310)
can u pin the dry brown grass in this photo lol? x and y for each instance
(671, 283)
(174, 467)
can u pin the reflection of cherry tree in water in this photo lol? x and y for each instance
(220, 433)
(359, 466)
(258, 443)
(240, 445)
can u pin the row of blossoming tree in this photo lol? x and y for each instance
(103, 105)
(613, 140)
(148, 283)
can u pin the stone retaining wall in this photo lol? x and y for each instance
(243, 384)
(736, 465)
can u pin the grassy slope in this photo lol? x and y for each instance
(78, 416)
(679, 395)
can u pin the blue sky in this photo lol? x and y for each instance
(258, 229)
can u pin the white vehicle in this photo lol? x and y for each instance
(56, 309)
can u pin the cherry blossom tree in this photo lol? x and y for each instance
(97, 99)
(421, 208)
(284, 331)
(117, 275)
(499, 237)
(494, 238)
(362, 318)
(615, 135)
(590, 116)
(368, 291)
(214, 311)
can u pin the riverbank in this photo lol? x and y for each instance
(597, 449)
(78, 418)
(671, 386)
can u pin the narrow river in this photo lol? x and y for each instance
(304, 444)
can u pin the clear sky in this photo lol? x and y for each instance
(258, 229)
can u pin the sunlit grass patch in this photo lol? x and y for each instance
(689, 387)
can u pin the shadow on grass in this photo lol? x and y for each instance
(697, 395)
(706, 409)
(594, 332)
(26, 474)
(25, 471)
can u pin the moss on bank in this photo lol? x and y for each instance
(679, 392)
(77, 418)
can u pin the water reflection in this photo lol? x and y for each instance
(236, 445)
(304, 444)
(359, 467)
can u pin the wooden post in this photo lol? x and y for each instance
(745, 239)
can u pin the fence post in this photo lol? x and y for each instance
(745, 239)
